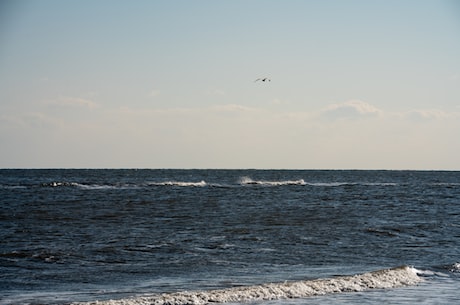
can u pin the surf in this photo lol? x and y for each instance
(180, 183)
(249, 181)
(380, 279)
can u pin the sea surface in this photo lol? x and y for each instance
(280, 237)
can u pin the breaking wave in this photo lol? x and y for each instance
(124, 186)
(88, 186)
(381, 279)
(249, 181)
(179, 183)
(454, 268)
(243, 181)
(60, 184)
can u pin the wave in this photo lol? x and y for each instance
(179, 183)
(334, 184)
(89, 186)
(454, 268)
(249, 181)
(381, 279)
(243, 181)
(66, 184)
(59, 184)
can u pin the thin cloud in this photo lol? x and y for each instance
(73, 102)
(233, 108)
(181, 115)
(351, 110)
(427, 114)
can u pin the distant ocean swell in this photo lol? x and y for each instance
(243, 181)
(381, 279)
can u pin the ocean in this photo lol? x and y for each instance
(154, 236)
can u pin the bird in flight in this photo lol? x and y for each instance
(265, 79)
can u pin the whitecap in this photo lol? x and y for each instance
(249, 181)
(381, 279)
(455, 268)
(180, 183)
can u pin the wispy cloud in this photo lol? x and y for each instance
(219, 132)
(232, 108)
(277, 101)
(428, 114)
(350, 110)
(73, 102)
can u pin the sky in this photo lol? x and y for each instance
(171, 84)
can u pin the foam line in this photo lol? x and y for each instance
(381, 279)
(249, 181)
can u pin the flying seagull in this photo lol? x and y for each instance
(265, 79)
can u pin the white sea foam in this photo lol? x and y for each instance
(79, 185)
(59, 184)
(325, 184)
(180, 183)
(96, 186)
(333, 184)
(247, 180)
(382, 279)
(455, 267)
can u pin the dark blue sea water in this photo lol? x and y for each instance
(85, 235)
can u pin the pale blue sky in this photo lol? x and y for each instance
(170, 84)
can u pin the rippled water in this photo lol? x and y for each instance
(85, 235)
